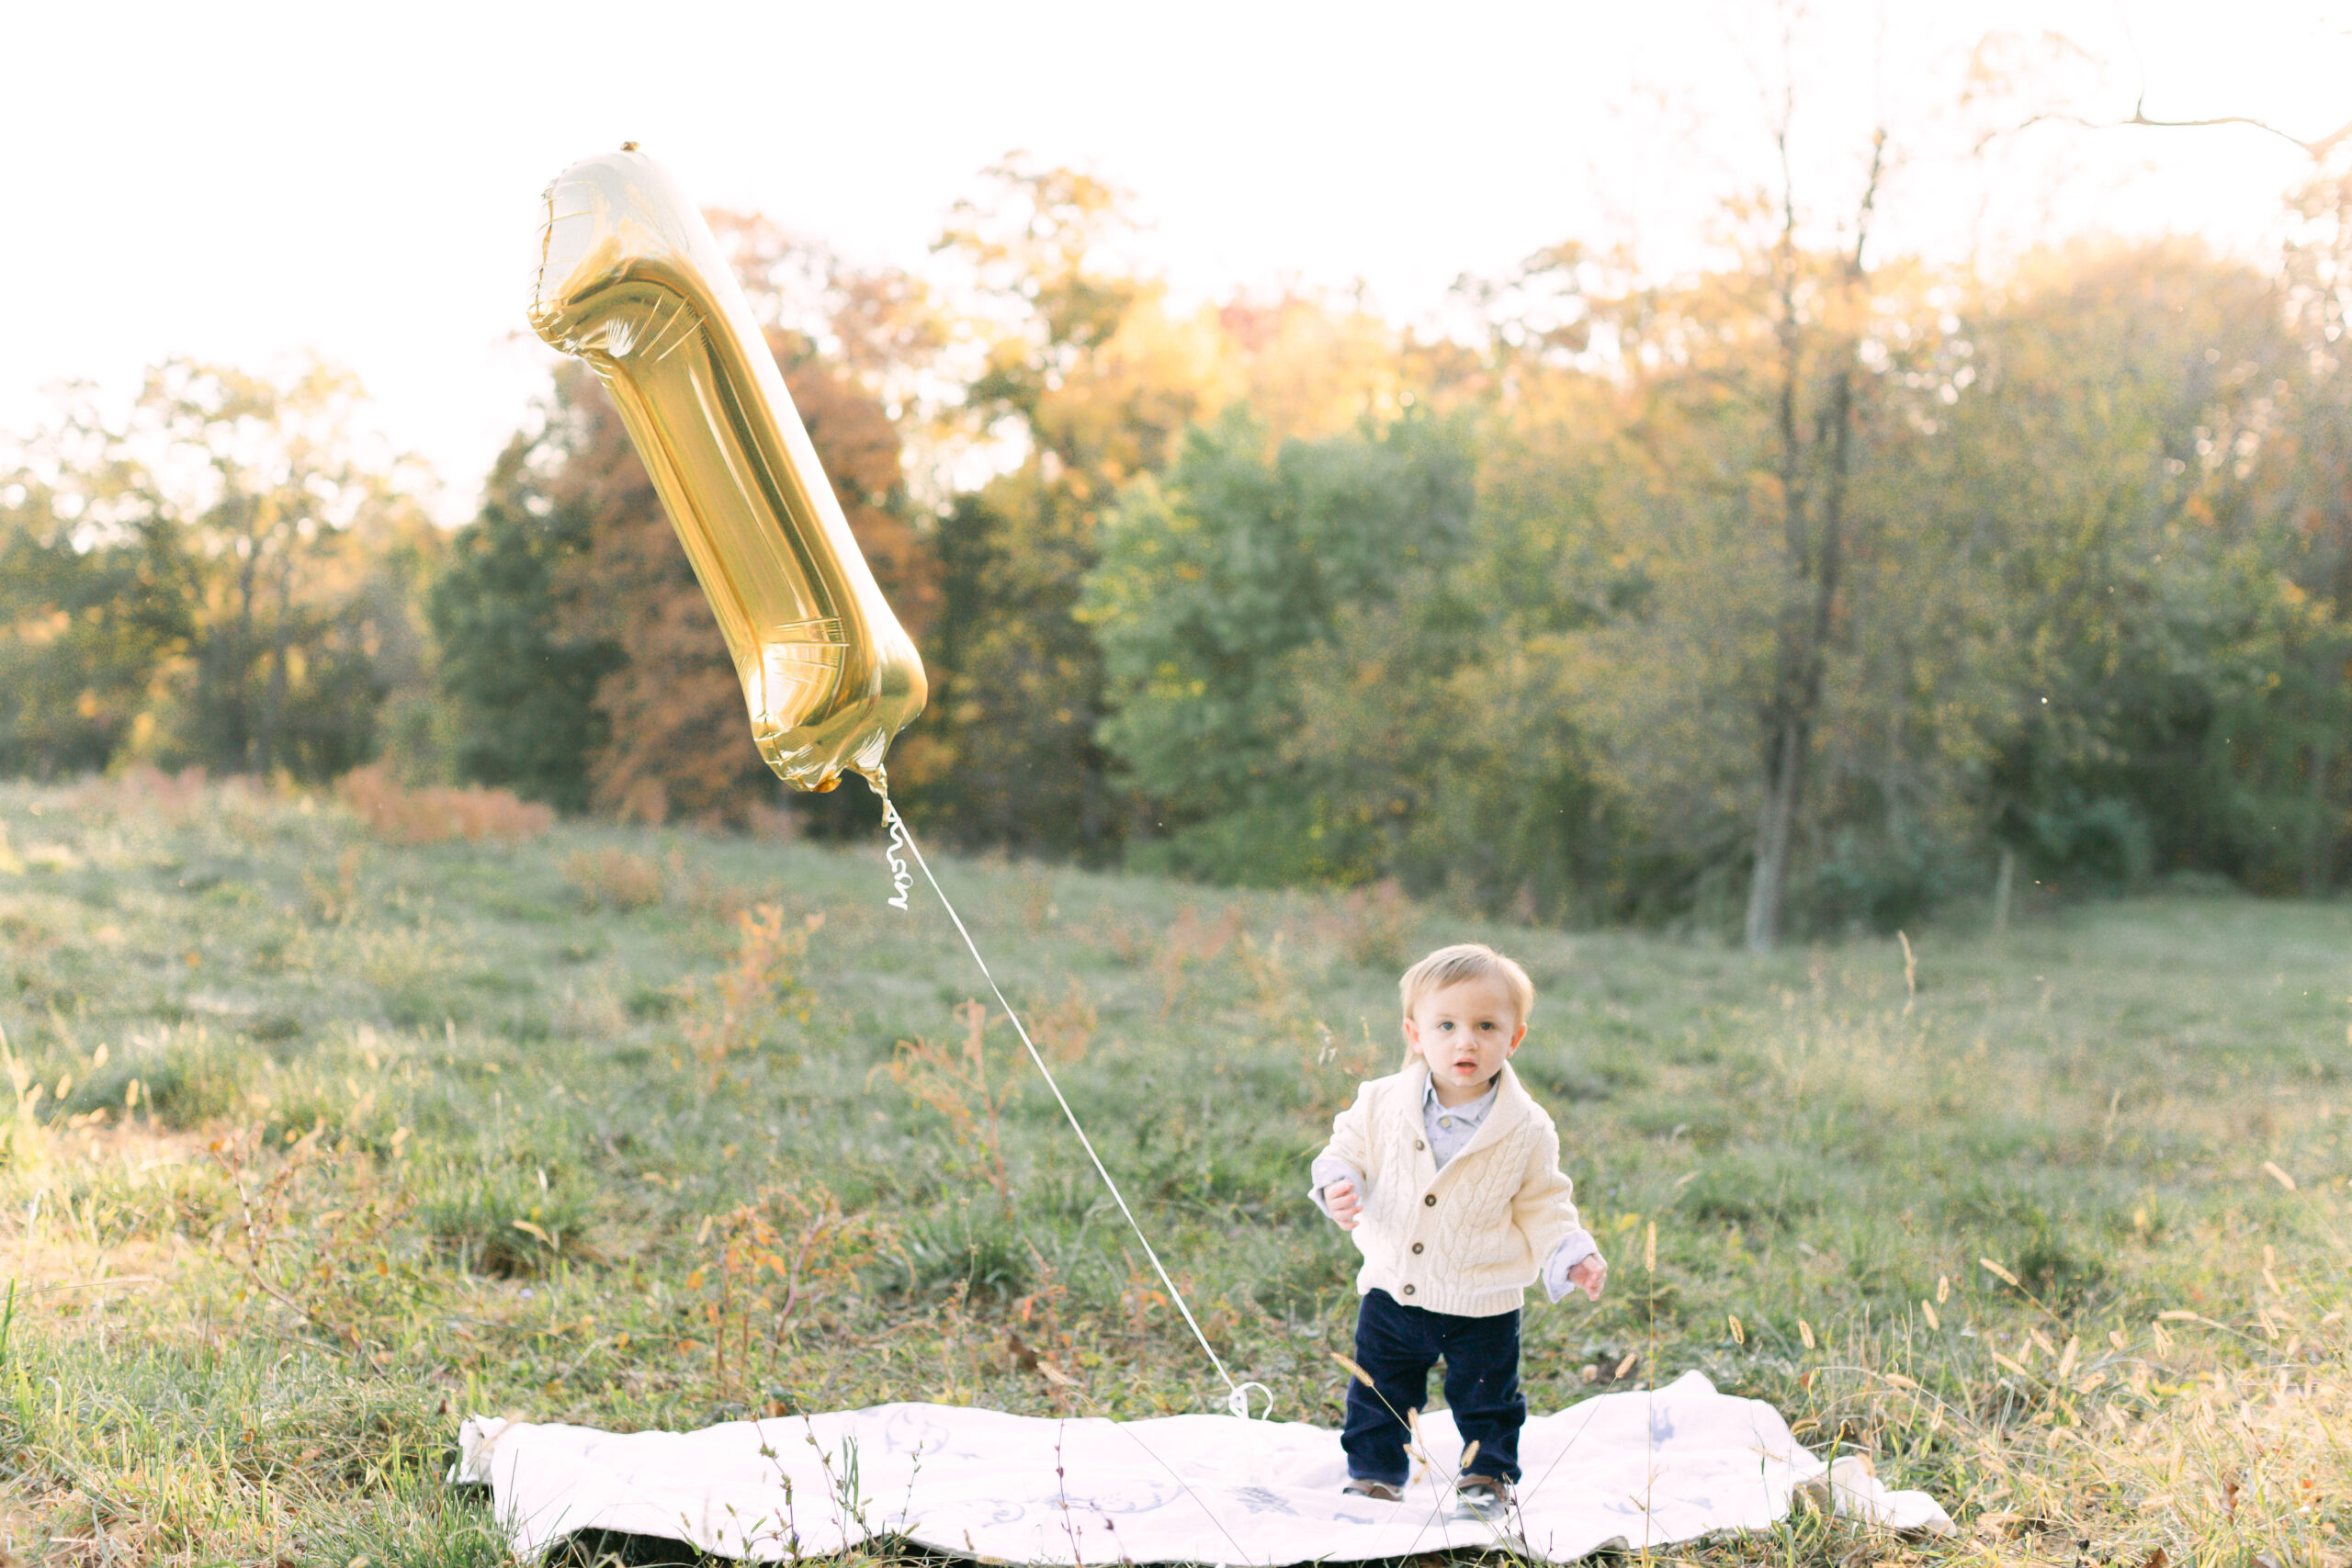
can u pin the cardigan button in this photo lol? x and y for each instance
(1408, 1289)
(1430, 1201)
(1419, 1146)
(1416, 1247)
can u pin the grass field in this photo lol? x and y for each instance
(320, 1141)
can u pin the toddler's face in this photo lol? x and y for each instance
(1465, 1032)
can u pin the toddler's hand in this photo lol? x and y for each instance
(1346, 1207)
(1591, 1276)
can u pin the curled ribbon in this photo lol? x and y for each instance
(901, 877)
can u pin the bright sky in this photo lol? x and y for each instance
(245, 182)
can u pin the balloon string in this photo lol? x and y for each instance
(1238, 1395)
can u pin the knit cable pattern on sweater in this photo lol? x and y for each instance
(1468, 1239)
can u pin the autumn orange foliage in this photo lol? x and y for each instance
(679, 744)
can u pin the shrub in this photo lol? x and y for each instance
(437, 815)
(1376, 926)
(730, 1011)
(614, 879)
(144, 789)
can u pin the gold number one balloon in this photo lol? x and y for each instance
(631, 280)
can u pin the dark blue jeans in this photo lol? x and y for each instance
(1397, 1346)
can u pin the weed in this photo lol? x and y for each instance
(435, 815)
(1067, 1027)
(1376, 927)
(786, 1253)
(324, 1271)
(963, 1087)
(1035, 897)
(333, 903)
(727, 1013)
(613, 879)
(1187, 945)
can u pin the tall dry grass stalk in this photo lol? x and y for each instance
(727, 1013)
(964, 1085)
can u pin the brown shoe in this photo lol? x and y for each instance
(1378, 1491)
(1488, 1497)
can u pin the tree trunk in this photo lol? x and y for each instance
(2319, 847)
(1815, 557)
(2005, 883)
(241, 676)
(1775, 833)
(273, 695)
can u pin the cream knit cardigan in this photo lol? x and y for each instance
(1468, 1239)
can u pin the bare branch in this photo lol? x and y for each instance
(1869, 202)
(2316, 150)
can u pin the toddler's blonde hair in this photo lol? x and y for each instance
(1465, 961)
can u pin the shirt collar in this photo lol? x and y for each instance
(1471, 1111)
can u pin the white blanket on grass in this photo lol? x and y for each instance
(1646, 1469)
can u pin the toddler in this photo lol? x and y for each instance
(1448, 1175)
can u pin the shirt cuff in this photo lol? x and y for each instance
(1327, 1169)
(1574, 1248)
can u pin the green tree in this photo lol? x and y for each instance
(520, 681)
(1215, 584)
(254, 551)
(89, 612)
